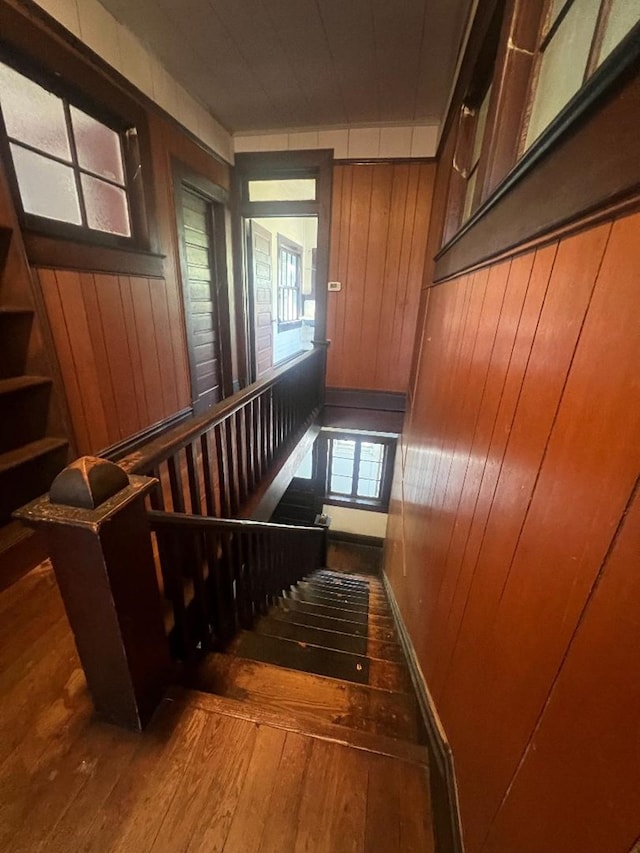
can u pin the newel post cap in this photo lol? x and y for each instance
(87, 483)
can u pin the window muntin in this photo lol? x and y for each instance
(576, 37)
(69, 166)
(289, 280)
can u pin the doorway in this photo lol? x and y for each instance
(284, 206)
(200, 217)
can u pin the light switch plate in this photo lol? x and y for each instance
(334, 285)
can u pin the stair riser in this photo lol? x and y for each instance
(17, 329)
(23, 416)
(20, 485)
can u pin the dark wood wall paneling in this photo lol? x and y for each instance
(514, 540)
(380, 217)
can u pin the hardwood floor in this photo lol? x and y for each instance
(210, 772)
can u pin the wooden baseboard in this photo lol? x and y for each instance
(357, 398)
(444, 791)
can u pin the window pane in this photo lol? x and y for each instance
(33, 115)
(368, 488)
(305, 470)
(98, 146)
(340, 485)
(344, 448)
(369, 470)
(343, 467)
(623, 16)
(47, 188)
(303, 189)
(481, 123)
(371, 451)
(106, 207)
(564, 63)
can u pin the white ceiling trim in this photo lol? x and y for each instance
(379, 142)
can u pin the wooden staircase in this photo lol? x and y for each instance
(325, 663)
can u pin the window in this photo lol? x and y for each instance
(470, 173)
(69, 166)
(575, 38)
(289, 280)
(294, 189)
(359, 470)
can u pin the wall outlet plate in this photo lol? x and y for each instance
(334, 285)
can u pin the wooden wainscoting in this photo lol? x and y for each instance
(122, 359)
(379, 225)
(514, 550)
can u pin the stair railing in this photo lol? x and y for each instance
(115, 575)
(220, 574)
(210, 465)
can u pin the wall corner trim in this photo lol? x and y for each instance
(447, 825)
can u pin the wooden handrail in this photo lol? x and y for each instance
(148, 456)
(159, 520)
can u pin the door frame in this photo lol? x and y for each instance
(218, 199)
(281, 165)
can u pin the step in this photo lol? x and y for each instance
(27, 472)
(336, 613)
(294, 653)
(303, 724)
(329, 700)
(347, 578)
(15, 310)
(20, 550)
(334, 591)
(29, 453)
(329, 639)
(377, 591)
(312, 596)
(314, 620)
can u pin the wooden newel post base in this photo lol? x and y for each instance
(100, 547)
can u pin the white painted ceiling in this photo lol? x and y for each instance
(272, 64)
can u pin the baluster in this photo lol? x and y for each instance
(223, 472)
(156, 498)
(250, 438)
(241, 457)
(209, 497)
(256, 442)
(231, 465)
(175, 479)
(198, 549)
(192, 476)
(216, 584)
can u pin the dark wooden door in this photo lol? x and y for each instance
(262, 287)
(200, 298)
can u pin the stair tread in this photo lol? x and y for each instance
(20, 383)
(359, 618)
(310, 595)
(357, 706)
(316, 620)
(304, 724)
(27, 452)
(329, 638)
(294, 653)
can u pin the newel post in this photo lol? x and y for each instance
(96, 527)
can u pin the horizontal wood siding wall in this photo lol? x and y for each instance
(380, 215)
(120, 347)
(515, 540)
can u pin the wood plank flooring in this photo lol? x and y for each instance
(246, 773)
